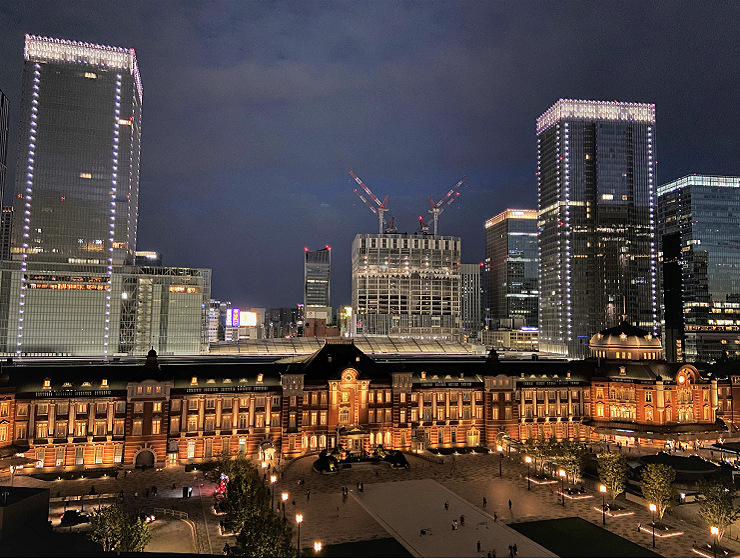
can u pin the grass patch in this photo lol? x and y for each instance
(573, 537)
(375, 548)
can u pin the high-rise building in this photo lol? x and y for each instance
(471, 299)
(703, 212)
(6, 232)
(77, 179)
(147, 258)
(4, 120)
(406, 285)
(595, 203)
(511, 269)
(317, 277)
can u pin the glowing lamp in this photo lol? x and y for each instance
(317, 547)
(602, 489)
(299, 518)
(653, 508)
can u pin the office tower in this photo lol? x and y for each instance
(4, 120)
(704, 213)
(77, 180)
(147, 258)
(595, 189)
(317, 277)
(406, 285)
(672, 288)
(511, 269)
(6, 232)
(471, 299)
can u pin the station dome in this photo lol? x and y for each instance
(626, 342)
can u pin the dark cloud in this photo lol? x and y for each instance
(254, 112)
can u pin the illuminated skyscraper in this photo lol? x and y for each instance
(4, 119)
(703, 213)
(511, 267)
(595, 203)
(317, 277)
(77, 179)
(471, 299)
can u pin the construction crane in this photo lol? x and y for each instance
(382, 206)
(436, 208)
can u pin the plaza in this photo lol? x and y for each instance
(394, 503)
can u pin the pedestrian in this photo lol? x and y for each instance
(462, 520)
(514, 549)
(551, 489)
(227, 549)
(308, 495)
(146, 493)
(154, 491)
(484, 501)
(422, 532)
(495, 517)
(639, 527)
(510, 505)
(478, 546)
(125, 473)
(136, 495)
(447, 505)
(293, 502)
(116, 475)
(511, 552)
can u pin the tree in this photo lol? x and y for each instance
(715, 504)
(118, 531)
(265, 536)
(612, 470)
(657, 486)
(572, 458)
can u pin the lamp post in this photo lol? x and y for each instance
(602, 489)
(264, 464)
(316, 547)
(562, 490)
(273, 480)
(715, 532)
(284, 496)
(528, 460)
(653, 508)
(299, 520)
(500, 458)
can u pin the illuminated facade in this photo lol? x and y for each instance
(406, 285)
(6, 232)
(471, 299)
(703, 212)
(317, 277)
(75, 416)
(511, 269)
(596, 223)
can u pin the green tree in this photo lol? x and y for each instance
(572, 458)
(612, 468)
(716, 504)
(657, 486)
(118, 531)
(266, 536)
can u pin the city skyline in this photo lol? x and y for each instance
(410, 118)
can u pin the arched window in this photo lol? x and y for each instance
(322, 441)
(313, 442)
(380, 438)
(344, 415)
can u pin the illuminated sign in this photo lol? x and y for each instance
(232, 317)
(247, 319)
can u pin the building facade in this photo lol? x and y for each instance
(596, 222)
(4, 123)
(702, 213)
(511, 269)
(471, 299)
(6, 232)
(406, 285)
(77, 416)
(317, 277)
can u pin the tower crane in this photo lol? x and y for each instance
(436, 208)
(382, 206)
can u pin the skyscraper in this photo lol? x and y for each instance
(471, 299)
(317, 277)
(4, 120)
(511, 269)
(595, 203)
(703, 212)
(77, 179)
(406, 285)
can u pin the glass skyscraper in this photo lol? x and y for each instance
(77, 179)
(595, 203)
(704, 212)
(471, 299)
(511, 269)
(317, 277)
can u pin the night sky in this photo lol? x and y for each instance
(255, 112)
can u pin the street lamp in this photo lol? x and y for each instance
(273, 480)
(528, 460)
(715, 532)
(317, 547)
(653, 509)
(299, 520)
(562, 490)
(602, 489)
(264, 464)
(500, 458)
(284, 496)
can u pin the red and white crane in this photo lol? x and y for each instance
(382, 206)
(435, 209)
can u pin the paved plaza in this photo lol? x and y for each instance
(331, 518)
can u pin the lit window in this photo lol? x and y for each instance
(607, 197)
(47, 383)
(194, 381)
(85, 175)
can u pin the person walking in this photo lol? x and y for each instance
(462, 520)
(447, 506)
(478, 546)
(308, 495)
(495, 517)
(484, 501)
(509, 505)
(513, 547)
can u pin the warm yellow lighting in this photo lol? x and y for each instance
(562, 472)
(264, 464)
(284, 496)
(273, 479)
(528, 459)
(499, 448)
(653, 508)
(602, 488)
(681, 379)
(299, 518)
(317, 546)
(715, 531)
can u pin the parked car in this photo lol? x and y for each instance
(73, 517)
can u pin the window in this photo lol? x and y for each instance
(649, 413)
(275, 419)
(344, 415)
(99, 428)
(323, 417)
(508, 413)
(79, 455)
(275, 401)
(192, 423)
(191, 449)
(120, 407)
(137, 427)
(402, 417)
(226, 423)
(371, 396)
(118, 427)
(157, 407)
(81, 408)
(292, 420)
(22, 410)
(259, 421)
(42, 430)
(59, 456)
(156, 427)
(101, 408)
(243, 419)
(402, 396)
(380, 397)
(42, 409)
(648, 396)
(139, 390)
(62, 409)
(494, 413)
(175, 405)
(118, 454)
(314, 398)
(20, 432)
(98, 454)
(371, 416)
(314, 418)
(193, 404)
(209, 448)
(599, 409)
(242, 446)
(80, 428)
(599, 393)
(138, 408)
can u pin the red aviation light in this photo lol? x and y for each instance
(305, 249)
(328, 247)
